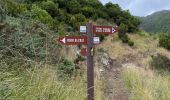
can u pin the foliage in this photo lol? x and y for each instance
(28, 39)
(79, 58)
(66, 68)
(123, 36)
(164, 40)
(160, 62)
(41, 15)
(131, 43)
(13, 8)
(50, 7)
(72, 12)
(156, 22)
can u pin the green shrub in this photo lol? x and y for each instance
(41, 15)
(14, 8)
(88, 11)
(124, 38)
(160, 62)
(79, 58)
(131, 43)
(73, 7)
(80, 17)
(164, 41)
(66, 68)
(50, 7)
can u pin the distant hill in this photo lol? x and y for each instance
(156, 22)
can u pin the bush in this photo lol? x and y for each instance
(66, 68)
(14, 8)
(41, 15)
(124, 38)
(131, 43)
(164, 41)
(160, 62)
(50, 7)
(79, 58)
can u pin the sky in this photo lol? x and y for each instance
(141, 7)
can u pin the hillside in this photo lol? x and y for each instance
(130, 72)
(156, 22)
(34, 66)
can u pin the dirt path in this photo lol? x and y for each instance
(114, 87)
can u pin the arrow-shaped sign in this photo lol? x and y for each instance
(73, 40)
(104, 29)
(76, 40)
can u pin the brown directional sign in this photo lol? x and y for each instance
(104, 30)
(73, 40)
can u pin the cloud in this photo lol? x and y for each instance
(142, 7)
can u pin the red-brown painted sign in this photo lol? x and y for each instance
(83, 52)
(104, 30)
(73, 40)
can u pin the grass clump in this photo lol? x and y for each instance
(146, 85)
(43, 84)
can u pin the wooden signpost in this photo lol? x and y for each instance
(90, 41)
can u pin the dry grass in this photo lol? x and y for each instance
(146, 85)
(43, 84)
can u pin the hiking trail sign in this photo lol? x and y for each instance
(73, 40)
(90, 40)
(104, 30)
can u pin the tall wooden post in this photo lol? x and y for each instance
(90, 68)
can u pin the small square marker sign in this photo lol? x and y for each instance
(82, 29)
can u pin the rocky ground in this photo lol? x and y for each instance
(111, 57)
(111, 75)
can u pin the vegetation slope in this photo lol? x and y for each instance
(33, 65)
(156, 22)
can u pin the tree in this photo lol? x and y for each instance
(122, 33)
(73, 7)
(50, 7)
(123, 29)
(41, 15)
(113, 10)
(88, 11)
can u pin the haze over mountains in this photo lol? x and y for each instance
(156, 22)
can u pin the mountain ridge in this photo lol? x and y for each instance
(156, 22)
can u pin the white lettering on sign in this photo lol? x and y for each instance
(79, 40)
(70, 40)
(75, 40)
(98, 29)
(106, 30)
(103, 29)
